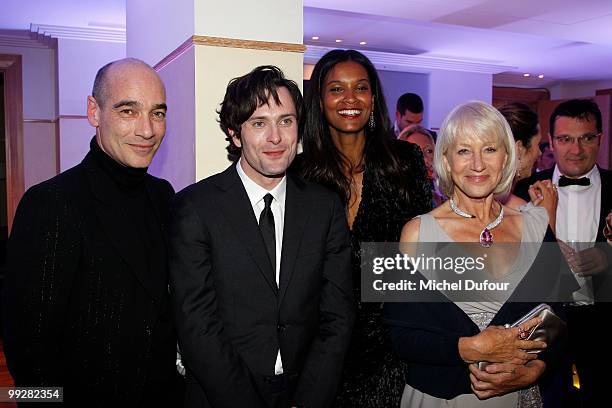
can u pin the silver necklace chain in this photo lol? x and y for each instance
(463, 214)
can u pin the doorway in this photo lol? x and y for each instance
(11, 162)
(3, 189)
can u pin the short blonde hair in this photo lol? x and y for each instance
(474, 119)
(411, 130)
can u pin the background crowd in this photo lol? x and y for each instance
(256, 271)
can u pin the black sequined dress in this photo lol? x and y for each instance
(373, 376)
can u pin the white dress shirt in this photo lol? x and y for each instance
(578, 220)
(256, 195)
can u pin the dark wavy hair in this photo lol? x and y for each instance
(248, 92)
(323, 162)
(522, 120)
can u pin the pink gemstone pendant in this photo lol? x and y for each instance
(486, 238)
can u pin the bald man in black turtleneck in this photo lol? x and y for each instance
(85, 297)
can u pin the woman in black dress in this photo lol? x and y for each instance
(349, 147)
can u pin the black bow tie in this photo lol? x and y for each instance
(566, 181)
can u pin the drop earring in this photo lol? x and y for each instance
(371, 122)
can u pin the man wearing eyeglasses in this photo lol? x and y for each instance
(585, 199)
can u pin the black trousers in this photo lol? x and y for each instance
(277, 390)
(591, 351)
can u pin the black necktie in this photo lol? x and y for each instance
(266, 226)
(566, 181)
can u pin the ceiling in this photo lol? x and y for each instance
(562, 39)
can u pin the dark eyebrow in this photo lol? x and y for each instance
(127, 103)
(342, 82)
(584, 134)
(287, 115)
(135, 104)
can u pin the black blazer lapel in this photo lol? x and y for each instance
(156, 198)
(606, 204)
(296, 216)
(522, 187)
(235, 204)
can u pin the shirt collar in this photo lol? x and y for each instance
(256, 192)
(592, 175)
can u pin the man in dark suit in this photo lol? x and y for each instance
(260, 264)
(86, 302)
(585, 194)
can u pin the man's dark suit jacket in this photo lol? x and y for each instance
(80, 310)
(232, 319)
(602, 282)
(522, 187)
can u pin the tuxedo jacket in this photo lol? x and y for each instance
(232, 318)
(80, 309)
(603, 281)
(522, 187)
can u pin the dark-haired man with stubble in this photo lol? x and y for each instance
(408, 112)
(260, 264)
(85, 301)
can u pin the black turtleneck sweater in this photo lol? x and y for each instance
(130, 189)
(85, 297)
(128, 184)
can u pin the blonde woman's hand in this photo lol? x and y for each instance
(497, 344)
(499, 379)
(544, 193)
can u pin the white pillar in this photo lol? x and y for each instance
(198, 49)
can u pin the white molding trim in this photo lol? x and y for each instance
(412, 63)
(20, 38)
(45, 32)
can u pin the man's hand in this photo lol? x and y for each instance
(587, 262)
(500, 379)
(607, 231)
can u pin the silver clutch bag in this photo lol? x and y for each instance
(548, 330)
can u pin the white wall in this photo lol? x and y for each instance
(74, 137)
(175, 159)
(448, 89)
(39, 152)
(38, 67)
(155, 28)
(282, 21)
(577, 89)
(395, 84)
(77, 62)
